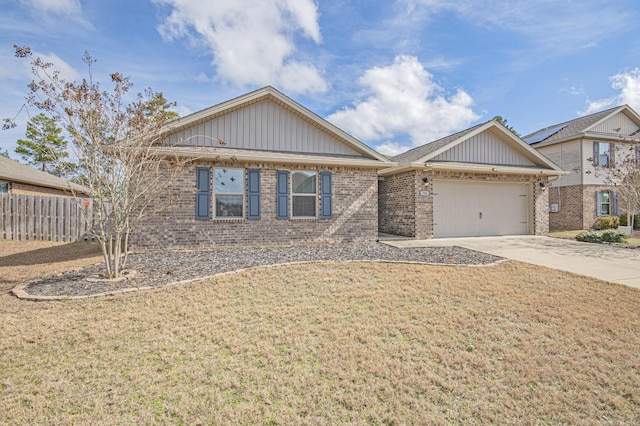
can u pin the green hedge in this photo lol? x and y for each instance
(636, 221)
(608, 236)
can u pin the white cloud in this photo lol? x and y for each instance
(57, 7)
(391, 148)
(67, 72)
(252, 41)
(69, 9)
(551, 27)
(20, 69)
(628, 85)
(404, 99)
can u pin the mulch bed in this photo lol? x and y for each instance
(156, 269)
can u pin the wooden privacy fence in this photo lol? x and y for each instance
(32, 217)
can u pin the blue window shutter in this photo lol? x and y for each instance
(614, 203)
(282, 194)
(325, 195)
(596, 154)
(203, 196)
(253, 194)
(598, 203)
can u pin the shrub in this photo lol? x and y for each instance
(607, 222)
(613, 236)
(589, 237)
(608, 236)
(636, 220)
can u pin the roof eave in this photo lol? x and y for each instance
(271, 158)
(473, 168)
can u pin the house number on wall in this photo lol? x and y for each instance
(425, 193)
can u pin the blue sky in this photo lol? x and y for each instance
(395, 74)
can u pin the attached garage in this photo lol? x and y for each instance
(482, 181)
(473, 209)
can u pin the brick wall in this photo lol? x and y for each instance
(403, 211)
(396, 206)
(577, 206)
(570, 203)
(21, 188)
(354, 212)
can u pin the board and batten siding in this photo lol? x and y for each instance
(618, 121)
(485, 148)
(589, 175)
(566, 155)
(266, 126)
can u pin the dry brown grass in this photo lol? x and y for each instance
(328, 344)
(25, 260)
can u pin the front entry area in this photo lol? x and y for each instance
(473, 209)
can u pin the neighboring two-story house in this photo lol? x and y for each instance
(585, 147)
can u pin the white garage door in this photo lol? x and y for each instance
(470, 209)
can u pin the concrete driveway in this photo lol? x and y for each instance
(609, 263)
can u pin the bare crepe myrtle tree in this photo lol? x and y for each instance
(622, 172)
(113, 134)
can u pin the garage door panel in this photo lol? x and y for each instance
(480, 209)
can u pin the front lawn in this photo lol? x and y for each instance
(331, 343)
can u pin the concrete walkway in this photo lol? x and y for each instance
(609, 263)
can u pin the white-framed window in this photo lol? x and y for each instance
(4, 187)
(606, 203)
(603, 154)
(304, 194)
(228, 196)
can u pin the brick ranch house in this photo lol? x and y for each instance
(284, 175)
(18, 178)
(482, 181)
(579, 146)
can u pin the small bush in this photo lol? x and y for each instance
(613, 236)
(589, 237)
(607, 222)
(608, 236)
(636, 220)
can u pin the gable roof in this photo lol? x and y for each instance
(270, 93)
(423, 151)
(13, 171)
(427, 155)
(578, 127)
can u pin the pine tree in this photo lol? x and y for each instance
(44, 147)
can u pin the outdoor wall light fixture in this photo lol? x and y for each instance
(425, 182)
(542, 184)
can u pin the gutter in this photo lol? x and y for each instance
(272, 158)
(474, 168)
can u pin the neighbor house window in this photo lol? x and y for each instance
(638, 156)
(606, 203)
(603, 154)
(303, 194)
(228, 193)
(4, 187)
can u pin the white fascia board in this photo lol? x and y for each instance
(265, 157)
(473, 168)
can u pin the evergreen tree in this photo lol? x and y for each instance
(503, 121)
(44, 147)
